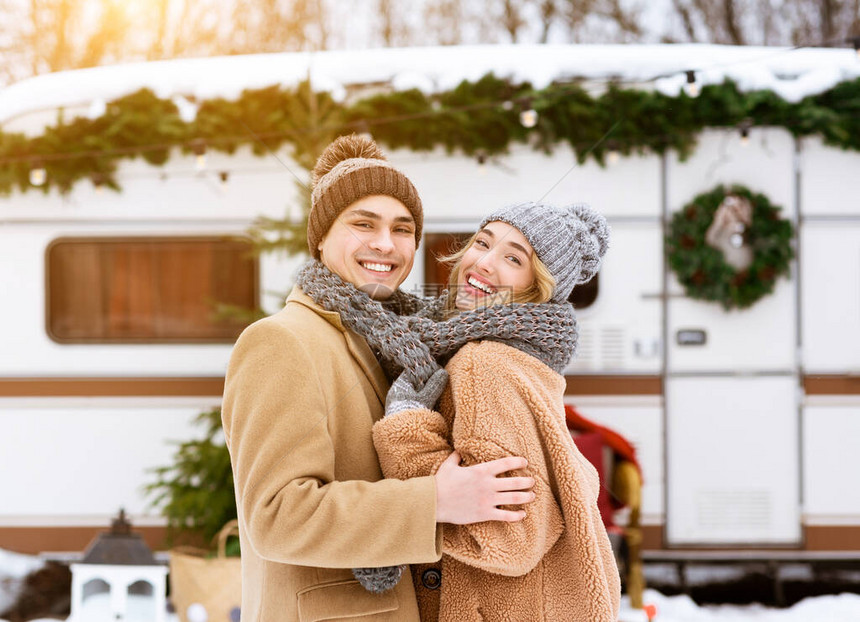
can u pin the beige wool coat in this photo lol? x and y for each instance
(554, 566)
(301, 396)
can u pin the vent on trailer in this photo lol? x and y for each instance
(732, 509)
(601, 347)
(613, 343)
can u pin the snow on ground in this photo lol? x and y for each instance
(791, 73)
(835, 608)
(13, 568)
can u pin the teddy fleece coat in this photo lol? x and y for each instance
(554, 566)
(301, 396)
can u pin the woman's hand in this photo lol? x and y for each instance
(403, 396)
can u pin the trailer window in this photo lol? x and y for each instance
(127, 290)
(583, 296)
(438, 245)
(436, 273)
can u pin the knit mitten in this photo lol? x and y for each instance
(378, 580)
(403, 396)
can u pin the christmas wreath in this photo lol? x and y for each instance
(730, 246)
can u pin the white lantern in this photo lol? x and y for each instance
(119, 579)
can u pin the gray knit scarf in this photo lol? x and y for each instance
(408, 333)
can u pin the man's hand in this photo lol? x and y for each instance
(466, 495)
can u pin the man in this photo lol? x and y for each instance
(302, 393)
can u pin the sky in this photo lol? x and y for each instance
(358, 14)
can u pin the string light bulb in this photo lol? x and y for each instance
(482, 163)
(529, 118)
(98, 182)
(38, 175)
(691, 87)
(528, 115)
(613, 156)
(198, 147)
(745, 126)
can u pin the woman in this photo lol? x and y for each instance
(504, 398)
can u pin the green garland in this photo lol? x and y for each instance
(475, 117)
(702, 269)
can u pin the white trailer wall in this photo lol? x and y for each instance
(830, 312)
(61, 450)
(74, 461)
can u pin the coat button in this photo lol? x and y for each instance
(431, 579)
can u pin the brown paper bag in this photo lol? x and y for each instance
(214, 583)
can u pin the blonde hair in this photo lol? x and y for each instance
(541, 289)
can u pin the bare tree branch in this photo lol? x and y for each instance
(732, 27)
(512, 19)
(829, 9)
(46, 35)
(683, 12)
(625, 19)
(444, 19)
(159, 44)
(548, 14)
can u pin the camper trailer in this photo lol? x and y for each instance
(746, 422)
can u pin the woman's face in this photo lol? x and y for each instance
(496, 266)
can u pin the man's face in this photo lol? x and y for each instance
(371, 245)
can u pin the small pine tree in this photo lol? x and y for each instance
(195, 493)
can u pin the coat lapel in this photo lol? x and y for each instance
(367, 361)
(356, 344)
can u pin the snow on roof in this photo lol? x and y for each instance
(791, 73)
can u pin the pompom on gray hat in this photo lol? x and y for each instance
(570, 241)
(351, 168)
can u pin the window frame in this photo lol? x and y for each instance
(141, 340)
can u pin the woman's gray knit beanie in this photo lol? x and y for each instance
(570, 241)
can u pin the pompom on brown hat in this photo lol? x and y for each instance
(351, 168)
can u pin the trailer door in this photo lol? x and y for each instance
(732, 383)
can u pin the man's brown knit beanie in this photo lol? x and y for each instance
(351, 168)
